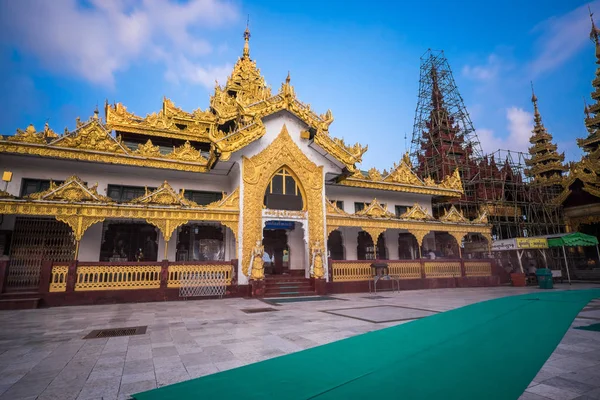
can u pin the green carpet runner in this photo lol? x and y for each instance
(488, 350)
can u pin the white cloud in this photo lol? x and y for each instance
(486, 72)
(561, 38)
(520, 125)
(95, 40)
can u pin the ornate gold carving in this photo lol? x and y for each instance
(257, 272)
(375, 210)
(58, 280)
(148, 150)
(164, 196)
(478, 268)
(453, 182)
(228, 202)
(419, 235)
(374, 233)
(79, 223)
(347, 155)
(481, 219)
(91, 136)
(233, 226)
(331, 228)
(169, 122)
(317, 269)
(72, 190)
(257, 172)
(332, 208)
(445, 269)
(403, 174)
(188, 154)
(5, 195)
(453, 215)
(29, 135)
(417, 212)
(167, 226)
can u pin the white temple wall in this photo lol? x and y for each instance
(38, 168)
(298, 256)
(351, 195)
(89, 247)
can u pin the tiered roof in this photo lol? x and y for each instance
(545, 165)
(587, 170)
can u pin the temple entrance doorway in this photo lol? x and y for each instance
(284, 248)
(276, 256)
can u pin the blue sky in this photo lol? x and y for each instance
(360, 59)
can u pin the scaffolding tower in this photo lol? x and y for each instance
(444, 140)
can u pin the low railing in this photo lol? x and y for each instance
(351, 271)
(58, 279)
(206, 273)
(117, 277)
(478, 268)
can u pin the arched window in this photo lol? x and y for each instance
(283, 193)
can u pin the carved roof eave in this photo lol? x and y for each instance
(34, 149)
(400, 187)
(119, 119)
(403, 223)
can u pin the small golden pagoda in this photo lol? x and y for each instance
(546, 166)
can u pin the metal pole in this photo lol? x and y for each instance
(566, 265)
(598, 251)
(166, 250)
(76, 249)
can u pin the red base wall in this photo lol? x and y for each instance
(414, 284)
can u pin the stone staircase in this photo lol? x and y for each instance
(288, 286)
(19, 299)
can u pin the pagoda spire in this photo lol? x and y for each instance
(591, 143)
(545, 165)
(246, 52)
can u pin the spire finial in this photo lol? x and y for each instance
(536, 113)
(533, 96)
(586, 109)
(288, 78)
(247, 38)
(594, 33)
(96, 112)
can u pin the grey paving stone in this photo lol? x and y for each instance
(136, 387)
(106, 389)
(164, 351)
(571, 385)
(140, 377)
(138, 366)
(552, 392)
(196, 359)
(531, 396)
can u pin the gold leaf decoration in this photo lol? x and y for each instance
(73, 190)
(453, 215)
(148, 150)
(187, 153)
(417, 212)
(164, 196)
(375, 210)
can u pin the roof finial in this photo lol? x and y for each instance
(96, 112)
(594, 33)
(537, 117)
(288, 79)
(586, 109)
(247, 38)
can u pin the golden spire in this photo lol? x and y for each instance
(536, 113)
(247, 39)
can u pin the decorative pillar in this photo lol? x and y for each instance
(350, 240)
(458, 236)
(374, 233)
(419, 235)
(391, 242)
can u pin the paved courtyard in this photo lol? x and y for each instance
(43, 354)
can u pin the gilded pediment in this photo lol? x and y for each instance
(417, 212)
(164, 196)
(453, 182)
(228, 202)
(187, 153)
(148, 150)
(31, 135)
(481, 219)
(404, 175)
(453, 215)
(5, 195)
(72, 190)
(375, 210)
(332, 208)
(91, 136)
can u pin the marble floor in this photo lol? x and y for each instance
(43, 354)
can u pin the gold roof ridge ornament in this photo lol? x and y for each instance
(227, 202)
(417, 212)
(375, 210)
(164, 195)
(332, 208)
(453, 215)
(72, 190)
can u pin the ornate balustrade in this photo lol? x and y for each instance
(442, 269)
(58, 279)
(478, 268)
(209, 273)
(352, 271)
(108, 277)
